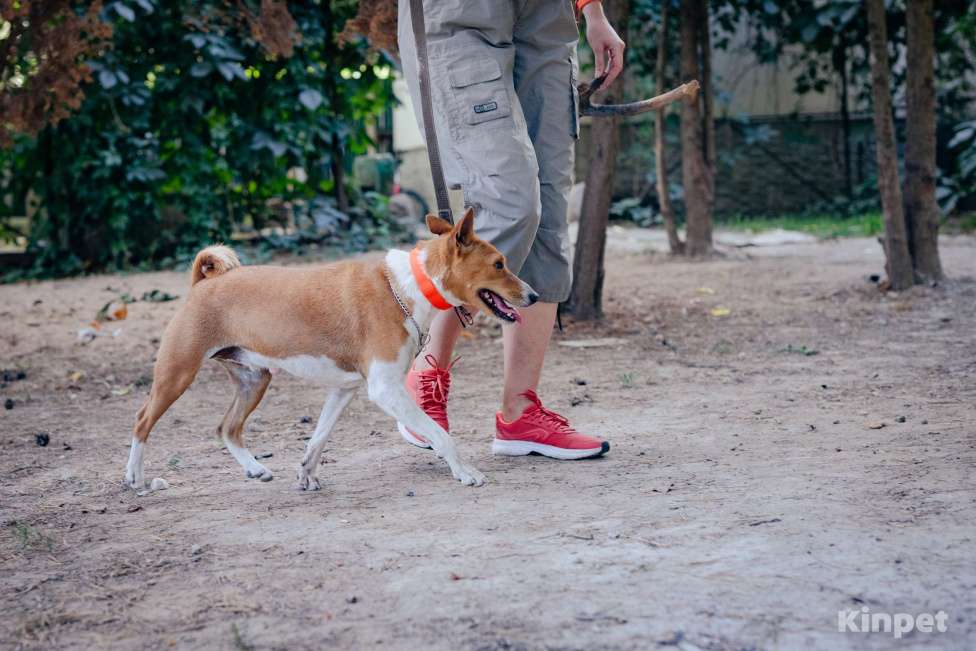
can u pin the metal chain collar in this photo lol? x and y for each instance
(422, 337)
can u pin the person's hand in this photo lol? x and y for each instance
(608, 48)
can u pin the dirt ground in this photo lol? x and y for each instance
(745, 501)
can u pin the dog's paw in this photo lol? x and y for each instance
(308, 482)
(257, 471)
(134, 481)
(469, 475)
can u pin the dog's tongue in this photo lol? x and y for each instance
(509, 310)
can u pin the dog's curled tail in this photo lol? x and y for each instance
(213, 261)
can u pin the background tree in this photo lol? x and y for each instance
(586, 296)
(921, 209)
(898, 261)
(696, 130)
(660, 165)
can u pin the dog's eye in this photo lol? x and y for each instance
(499, 265)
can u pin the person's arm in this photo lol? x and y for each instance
(608, 48)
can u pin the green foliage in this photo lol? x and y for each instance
(954, 187)
(191, 130)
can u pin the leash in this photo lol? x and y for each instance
(427, 110)
(430, 132)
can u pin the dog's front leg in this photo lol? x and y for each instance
(331, 410)
(387, 392)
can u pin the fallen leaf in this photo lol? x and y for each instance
(705, 290)
(76, 376)
(123, 391)
(721, 311)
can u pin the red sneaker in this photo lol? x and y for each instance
(540, 431)
(429, 389)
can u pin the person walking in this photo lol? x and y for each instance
(503, 83)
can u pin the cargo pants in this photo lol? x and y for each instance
(503, 83)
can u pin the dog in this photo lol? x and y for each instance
(343, 325)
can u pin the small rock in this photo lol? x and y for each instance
(900, 419)
(134, 508)
(580, 381)
(266, 455)
(351, 600)
(925, 422)
(305, 420)
(158, 484)
(196, 550)
(875, 425)
(42, 439)
(410, 493)
(8, 404)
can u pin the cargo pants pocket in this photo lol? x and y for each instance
(479, 92)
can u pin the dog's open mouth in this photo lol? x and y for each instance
(499, 306)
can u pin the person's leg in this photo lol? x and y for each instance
(525, 351)
(488, 154)
(545, 40)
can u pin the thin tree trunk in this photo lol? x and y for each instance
(586, 297)
(921, 208)
(663, 197)
(899, 262)
(708, 94)
(337, 154)
(840, 66)
(694, 166)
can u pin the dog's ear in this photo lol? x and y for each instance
(464, 229)
(437, 225)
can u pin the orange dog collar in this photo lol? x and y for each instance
(424, 282)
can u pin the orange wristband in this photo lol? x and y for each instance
(582, 3)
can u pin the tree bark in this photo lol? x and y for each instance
(921, 208)
(663, 197)
(586, 297)
(898, 261)
(694, 165)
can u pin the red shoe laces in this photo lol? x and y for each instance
(546, 416)
(434, 385)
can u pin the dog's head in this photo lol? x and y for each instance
(475, 272)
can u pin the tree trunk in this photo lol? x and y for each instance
(586, 297)
(694, 166)
(921, 208)
(667, 210)
(840, 66)
(708, 94)
(899, 262)
(337, 163)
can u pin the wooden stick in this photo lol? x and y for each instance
(687, 92)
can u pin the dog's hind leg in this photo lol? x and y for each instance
(334, 404)
(173, 373)
(251, 384)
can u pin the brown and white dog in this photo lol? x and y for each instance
(337, 324)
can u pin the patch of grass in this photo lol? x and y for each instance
(627, 380)
(29, 537)
(824, 226)
(801, 350)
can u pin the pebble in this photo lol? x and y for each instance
(196, 550)
(42, 439)
(900, 419)
(158, 484)
(8, 404)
